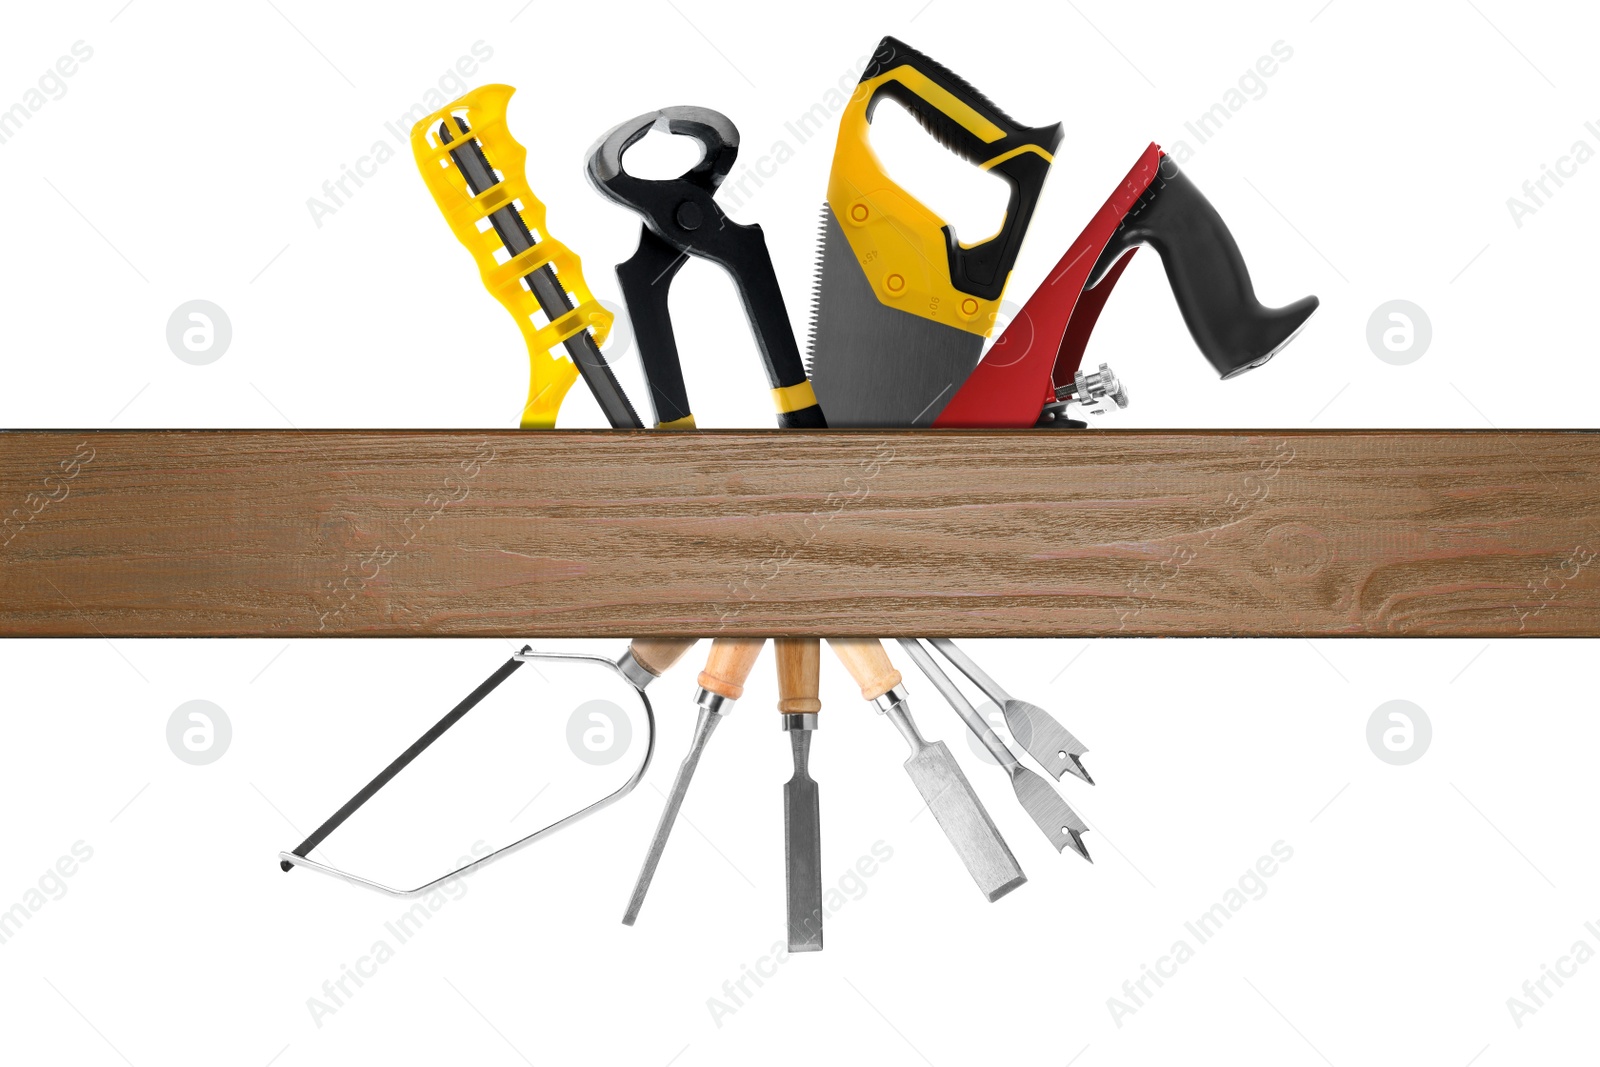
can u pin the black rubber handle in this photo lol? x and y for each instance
(646, 280)
(1209, 279)
(1021, 155)
(806, 418)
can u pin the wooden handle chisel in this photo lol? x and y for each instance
(1053, 815)
(935, 772)
(799, 662)
(721, 683)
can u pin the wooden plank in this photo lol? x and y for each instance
(1065, 533)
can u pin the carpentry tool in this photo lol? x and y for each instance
(902, 306)
(648, 658)
(1034, 369)
(540, 278)
(1050, 744)
(682, 218)
(799, 661)
(935, 772)
(1052, 814)
(639, 665)
(721, 683)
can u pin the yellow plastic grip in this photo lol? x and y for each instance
(484, 110)
(898, 241)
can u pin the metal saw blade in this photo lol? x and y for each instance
(873, 365)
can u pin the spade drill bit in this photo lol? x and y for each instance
(1042, 803)
(721, 683)
(1047, 741)
(934, 770)
(799, 660)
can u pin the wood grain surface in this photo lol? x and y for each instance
(607, 533)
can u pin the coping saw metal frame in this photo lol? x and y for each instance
(300, 858)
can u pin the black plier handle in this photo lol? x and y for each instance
(682, 219)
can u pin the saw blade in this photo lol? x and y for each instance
(816, 289)
(873, 365)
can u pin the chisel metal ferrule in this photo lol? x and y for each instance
(637, 674)
(714, 703)
(890, 700)
(805, 721)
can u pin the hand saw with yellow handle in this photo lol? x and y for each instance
(538, 279)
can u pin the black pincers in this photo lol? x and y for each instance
(682, 218)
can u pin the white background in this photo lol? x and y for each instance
(1377, 165)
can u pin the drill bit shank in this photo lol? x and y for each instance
(1050, 744)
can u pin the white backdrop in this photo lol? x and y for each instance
(166, 152)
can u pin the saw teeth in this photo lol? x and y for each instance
(816, 290)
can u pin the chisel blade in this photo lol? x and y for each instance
(669, 815)
(1049, 812)
(1046, 740)
(1042, 803)
(802, 836)
(964, 821)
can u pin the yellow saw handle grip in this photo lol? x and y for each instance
(483, 109)
(910, 255)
